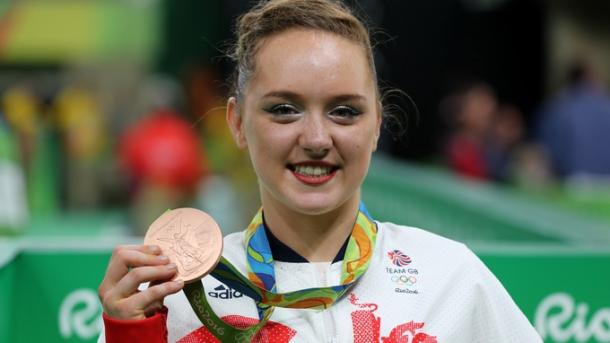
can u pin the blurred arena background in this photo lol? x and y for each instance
(111, 112)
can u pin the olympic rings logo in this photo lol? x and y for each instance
(404, 280)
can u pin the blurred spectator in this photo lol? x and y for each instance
(21, 109)
(13, 212)
(505, 141)
(470, 112)
(575, 126)
(510, 158)
(83, 128)
(163, 155)
(25, 114)
(486, 141)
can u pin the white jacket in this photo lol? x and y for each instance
(436, 291)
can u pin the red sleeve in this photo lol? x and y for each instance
(467, 159)
(150, 330)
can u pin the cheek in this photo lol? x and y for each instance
(363, 138)
(357, 145)
(267, 141)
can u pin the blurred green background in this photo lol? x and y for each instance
(91, 91)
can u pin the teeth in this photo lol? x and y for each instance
(312, 171)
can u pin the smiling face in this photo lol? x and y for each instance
(310, 120)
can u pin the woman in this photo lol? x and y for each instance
(307, 107)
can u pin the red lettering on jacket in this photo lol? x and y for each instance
(367, 326)
(272, 332)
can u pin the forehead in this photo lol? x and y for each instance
(311, 62)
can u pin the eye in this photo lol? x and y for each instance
(282, 109)
(345, 112)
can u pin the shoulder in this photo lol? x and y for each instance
(418, 239)
(448, 263)
(432, 251)
(450, 276)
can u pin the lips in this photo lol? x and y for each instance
(314, 172)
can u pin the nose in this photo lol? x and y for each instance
(315, 136)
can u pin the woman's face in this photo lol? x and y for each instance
(310, 120)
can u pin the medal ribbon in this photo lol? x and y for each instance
(260, 284)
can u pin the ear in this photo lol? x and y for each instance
(379, 122)
(234, 120)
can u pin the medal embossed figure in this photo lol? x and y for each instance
(190, 238)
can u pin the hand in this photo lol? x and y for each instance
(129, 266)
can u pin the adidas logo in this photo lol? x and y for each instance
(223, 292)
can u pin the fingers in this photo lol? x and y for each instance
(130, 282)
(130, 266)
(143, 304)
(153, 308)
(129, 256)
(128, 285)
(151, 299)
(126, 256)
(124, 300)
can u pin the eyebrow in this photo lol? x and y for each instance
(294, 96)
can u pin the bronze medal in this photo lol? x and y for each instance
(190, 238)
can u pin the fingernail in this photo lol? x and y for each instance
(179, 283)
(163, 258)
(171, 266)
(154, 248)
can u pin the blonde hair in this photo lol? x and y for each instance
(274, 16)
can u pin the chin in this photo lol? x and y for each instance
(308, 202)
(314, 204)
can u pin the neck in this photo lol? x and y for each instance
(318, 238)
